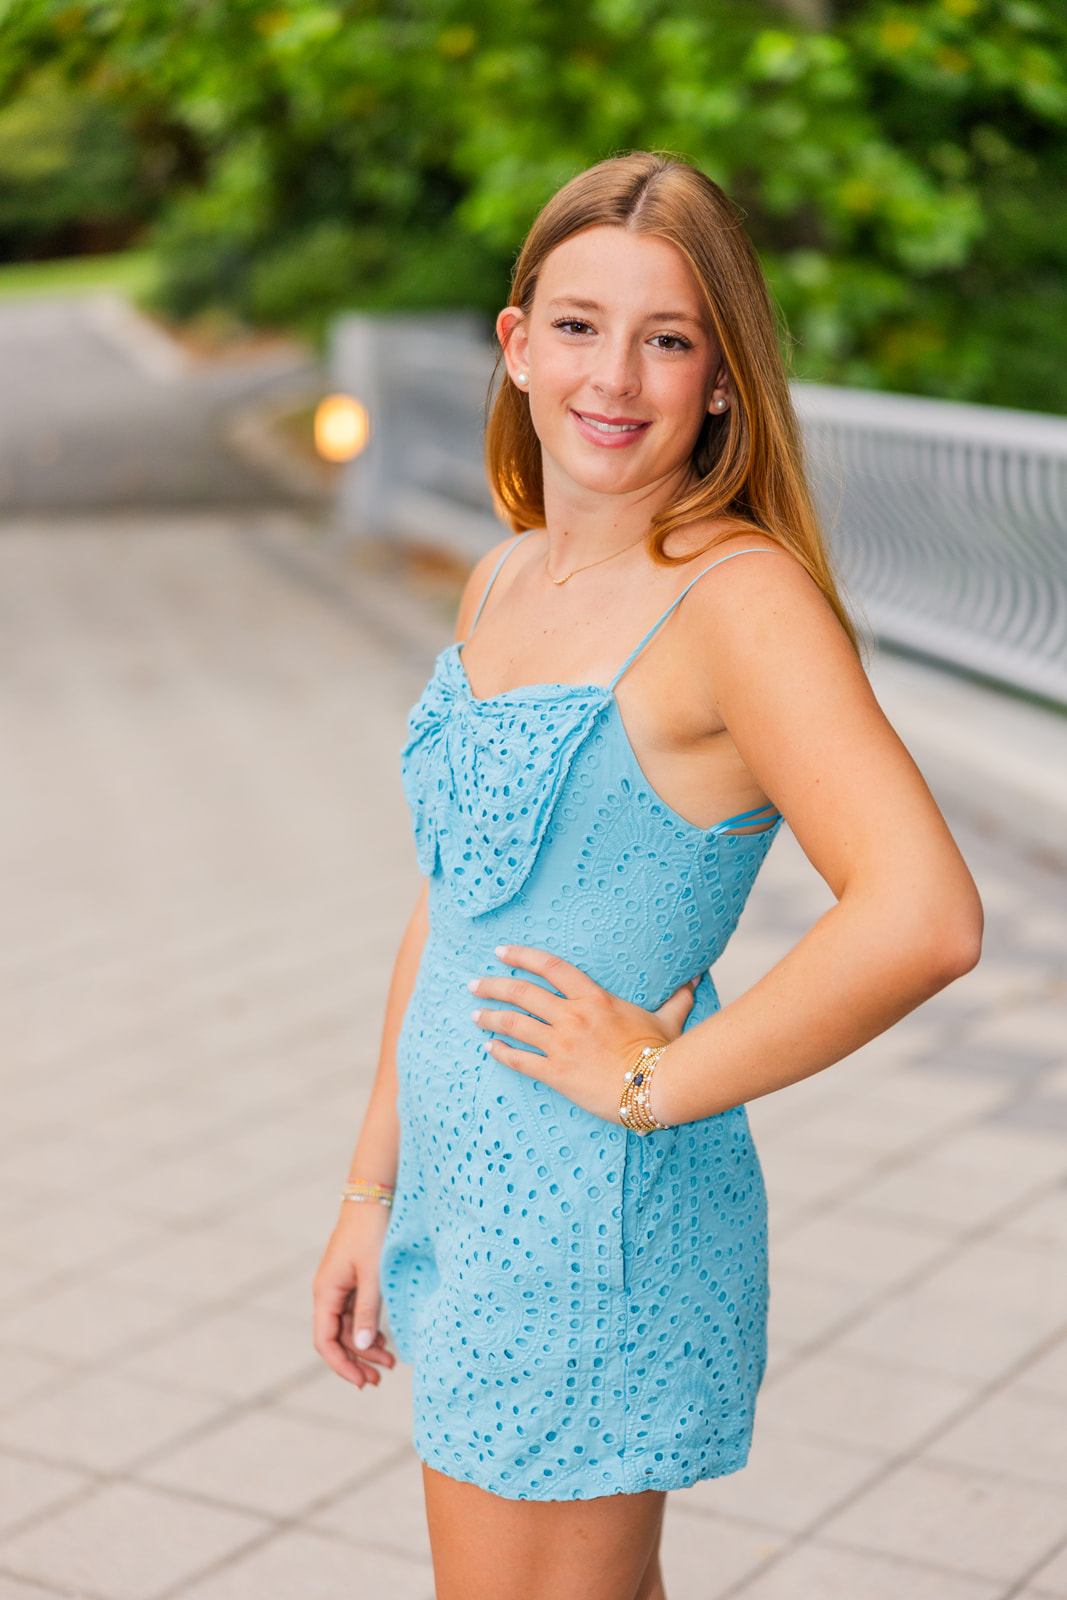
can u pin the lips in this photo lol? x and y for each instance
(606, 425)
(614, 432)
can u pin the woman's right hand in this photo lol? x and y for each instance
(348, 1298)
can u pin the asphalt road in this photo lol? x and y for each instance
(100, 408)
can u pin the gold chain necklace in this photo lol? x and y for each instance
(599, 563)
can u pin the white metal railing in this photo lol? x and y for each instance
(948, 522)
(423, 380)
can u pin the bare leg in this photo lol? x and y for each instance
(651, 1585)
(488, 1548)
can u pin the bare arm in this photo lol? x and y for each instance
(347, 1289)
(347, 1285)
(907, 919)
(377, 1148)
(771, 658)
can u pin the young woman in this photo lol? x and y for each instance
(651, 675)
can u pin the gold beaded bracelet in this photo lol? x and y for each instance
(635, 1110)
(368, 1193)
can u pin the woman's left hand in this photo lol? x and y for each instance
(589, 1037)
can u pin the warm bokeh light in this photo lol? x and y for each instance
(342, 427)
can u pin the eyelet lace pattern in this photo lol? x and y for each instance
(585, 1308)
(481, 776)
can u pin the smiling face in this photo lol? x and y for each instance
(619, 360)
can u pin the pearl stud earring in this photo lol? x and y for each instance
(522, 377)
(720, 405)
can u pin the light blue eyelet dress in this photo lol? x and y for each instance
(585, 1307)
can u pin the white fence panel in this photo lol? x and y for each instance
(949, 523)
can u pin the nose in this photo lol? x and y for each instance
(616, 373)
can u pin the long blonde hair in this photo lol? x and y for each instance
(748, 460)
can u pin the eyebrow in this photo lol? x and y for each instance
(566, 302)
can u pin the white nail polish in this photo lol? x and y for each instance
(501, 951)
(475, 1016)
(364, 1338)
(473, 985)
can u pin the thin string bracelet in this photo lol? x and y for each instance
(363, 1193)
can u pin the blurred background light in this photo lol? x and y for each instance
(342, 427)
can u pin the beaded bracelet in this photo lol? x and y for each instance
(634, 1108)
(368, 1193)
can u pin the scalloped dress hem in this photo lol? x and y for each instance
(656, 1482)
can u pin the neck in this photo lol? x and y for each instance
(584, 526)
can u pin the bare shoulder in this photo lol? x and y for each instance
(477, 582)
(739, 560)
(760, 602)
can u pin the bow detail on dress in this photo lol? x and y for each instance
(482, 777)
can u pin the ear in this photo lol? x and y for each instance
(512, 332)
(722, 393)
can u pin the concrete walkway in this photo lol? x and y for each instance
(206, 865)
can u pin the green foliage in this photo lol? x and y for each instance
(67, 163)
(129, 272)
(902, 165)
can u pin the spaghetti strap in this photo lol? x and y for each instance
(759, 820)
(514, 545)
(756, 550)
